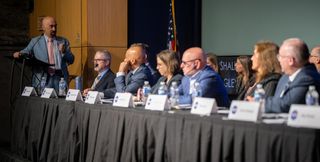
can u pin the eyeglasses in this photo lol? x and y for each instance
(185, 62)
(313, 56)
(96, 60)
(282, 56)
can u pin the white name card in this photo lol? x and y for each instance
(157, 102)
(204, 106)
(304, 116)
(49, 93)
(123, 100)
(29, 91)
(74, 95)
(244, 110)
(93, 97)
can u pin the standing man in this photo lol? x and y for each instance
(195, 69)
(104, 80)
(315, 57)
(132, 71)
(50, 49)
(299, 74)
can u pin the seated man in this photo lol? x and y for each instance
(315, 57)
(298, 75)
(104, 80)
(137, 72)
(195, 69)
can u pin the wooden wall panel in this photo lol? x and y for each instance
(68, 16)
(107, 23)
(76, 68)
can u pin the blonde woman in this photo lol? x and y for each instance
(266, 66)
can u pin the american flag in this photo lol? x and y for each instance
(172, 32)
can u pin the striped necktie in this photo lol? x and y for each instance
(95, 82)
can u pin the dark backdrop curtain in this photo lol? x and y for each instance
(148, 23)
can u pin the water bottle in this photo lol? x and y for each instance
(312, 96)
(174, 94)
(196, 91)
(146, 89)
(259, 93)
(259, 96)
(162, 89)
(78, 81)
(42, 84)
(62, 87)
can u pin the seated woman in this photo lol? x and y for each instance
(212, 61)
(168, 65)
(266, 66)
(245, 77)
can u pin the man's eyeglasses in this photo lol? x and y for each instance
(96, 60)
(186, 62)
(313, 56)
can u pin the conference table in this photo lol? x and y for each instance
(60, 130)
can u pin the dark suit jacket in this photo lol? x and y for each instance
(294, 93)
(106, 82)
(211, 86)
(132, 82)
(177, 78)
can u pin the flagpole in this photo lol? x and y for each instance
(174, 25)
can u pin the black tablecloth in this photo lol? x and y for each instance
(58, 130)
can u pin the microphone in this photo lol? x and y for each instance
(30, 55)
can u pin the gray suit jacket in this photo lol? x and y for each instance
(37, 48)
(131, 82)
(294, 92)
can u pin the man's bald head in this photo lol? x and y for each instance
(297, 49)
(49, 26)
(135, 55)
(193, 60)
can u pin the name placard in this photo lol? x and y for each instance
(204, 106)
(29, 91)
(157, 102)
(49, 93)
(304, 116)
(244, 110)
(123, 100)
(74, 95)
(93, 97)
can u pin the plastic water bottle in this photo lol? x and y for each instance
(174, 94)
(42, 84)
(78, 81)
(146, 89)
(196, 91)
(162, 89)
(62, 87)
(259, 96)
(259, 93)
(312, 96)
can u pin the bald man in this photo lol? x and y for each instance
(132, 72)
(299, 74)
(50, 49)
(195, 69)
(315, 57)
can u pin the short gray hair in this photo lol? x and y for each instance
(106, 54)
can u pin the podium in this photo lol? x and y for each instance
(25, 61)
